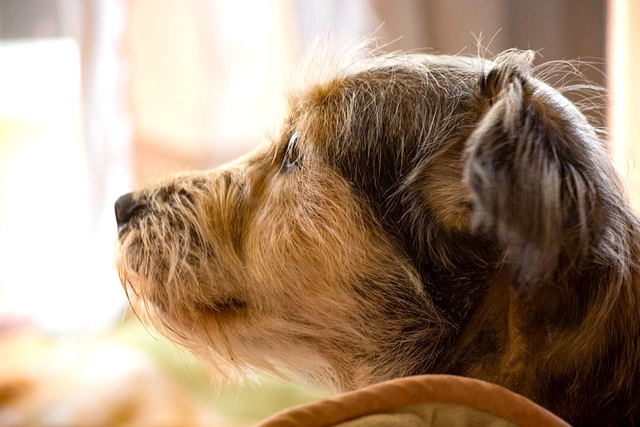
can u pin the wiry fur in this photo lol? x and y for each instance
(432, 214)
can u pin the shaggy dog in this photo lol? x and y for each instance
(414, 214)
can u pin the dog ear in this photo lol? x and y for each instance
(538, 172)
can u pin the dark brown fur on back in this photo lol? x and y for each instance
(415, 214)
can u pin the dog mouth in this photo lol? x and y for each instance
(123, 229)
(226, 306)
(160, 268)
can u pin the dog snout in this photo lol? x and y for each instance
(125, 208)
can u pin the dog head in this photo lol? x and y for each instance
(357, 243)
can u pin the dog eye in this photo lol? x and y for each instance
(292, 156)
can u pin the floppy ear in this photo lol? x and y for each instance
(538, 173)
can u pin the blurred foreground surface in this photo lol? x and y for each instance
(128, 377)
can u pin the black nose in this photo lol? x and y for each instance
(126, 206)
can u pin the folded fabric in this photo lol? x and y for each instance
(425, 400)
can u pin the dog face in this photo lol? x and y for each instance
(414, 214)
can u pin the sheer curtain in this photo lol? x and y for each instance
(64, 157)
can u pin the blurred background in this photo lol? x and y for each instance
(99, 96)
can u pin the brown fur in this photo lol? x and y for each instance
(414, 214)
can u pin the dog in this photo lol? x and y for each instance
(413, 214)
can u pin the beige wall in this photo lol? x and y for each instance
(206, 79)
(207, 76)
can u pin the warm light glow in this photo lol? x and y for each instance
(617, 71)
(623, 68)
